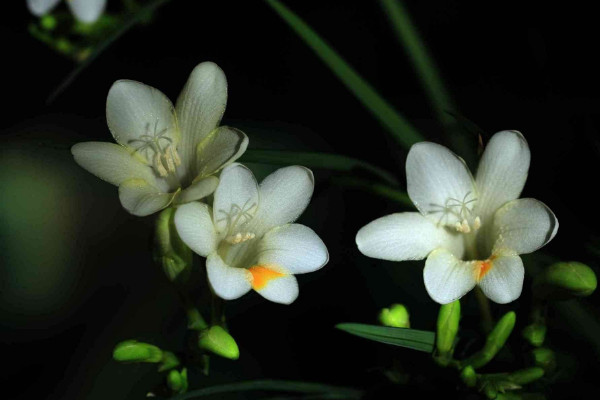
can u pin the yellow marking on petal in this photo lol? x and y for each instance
(262, 275)
(483, 267)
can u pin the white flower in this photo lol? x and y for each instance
(87, 11)
(248, 236)
(165, 154)
(470, 231)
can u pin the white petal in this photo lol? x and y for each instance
(141, 117)
(236, 199)
(283, 290)
(200, 107)
(195, 227)
(41, 7)
(524, 225)
(198, 190)
(502, 172)
(439, 182)
(284, 195)
(221, 147)
(227, 282)
(446, 277)
(141, 198)
(111, 162)
(87, 11)
(294, 248)
(406, 236)
(504, 280)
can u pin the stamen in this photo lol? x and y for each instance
(159, 147)
(240, 237)
(477, 223)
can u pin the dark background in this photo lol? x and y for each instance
(77, 274)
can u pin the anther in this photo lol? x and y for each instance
(240, 237)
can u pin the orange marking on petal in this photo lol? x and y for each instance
(483, 267)
(262, 275)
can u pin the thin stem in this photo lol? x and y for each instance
(484, 308)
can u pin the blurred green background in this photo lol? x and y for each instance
(77, 274)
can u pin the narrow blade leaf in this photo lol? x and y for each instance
(393, 121)
(334, 162)
(379, 189)
(405, 337)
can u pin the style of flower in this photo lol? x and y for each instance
(87, 11)
(470, 230)
(248, 236)
(165, 155)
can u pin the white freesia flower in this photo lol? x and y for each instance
(470, 230)
(87, 11)
(165, 154)
(248, 236)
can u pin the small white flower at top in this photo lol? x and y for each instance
(87, 11)
(470, 230)
(248, 236)
(165, 155)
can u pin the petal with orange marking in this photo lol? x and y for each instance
(503, 282)
(274, 285)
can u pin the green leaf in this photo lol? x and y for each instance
(334, 162)
(419, 56)
(276, 386)
(393, 121)
(404, 337)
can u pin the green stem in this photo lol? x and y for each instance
(484, 308)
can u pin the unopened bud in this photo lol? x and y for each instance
(525, 376)
(564, 280)
(468, 376)
(169, 361)
(134, 351)
(544, 358)
(177, 381)
(217, 340)
(447, 327)
(48, 22)
(494, 342)
(169, 250)
(535, 334)
(396, 316)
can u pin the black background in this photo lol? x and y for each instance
(508, 65)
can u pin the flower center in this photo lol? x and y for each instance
(236, 219)
(156, 146)
(459, 213)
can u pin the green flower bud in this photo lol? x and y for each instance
(525, 376)
(219, 341)
(396, 316)
(169, 361)
(447, 327)
(177, 381)
(134, 351)
(468, 376)
(544, 358)
(169, 250)
(535, 334)
(48, 22)
(564, 280)
(495, 341)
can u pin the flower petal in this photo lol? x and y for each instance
(283, 289)
(284, 195)
(221, 147)
(503, 282)
(439, 183)
(87, 11)
(200, 107)
(406, 236)
(447, 278)
(141, 198)
(524, 225)
(198, 190)
(41, 7)
(141, 118)
(502, 172)
(111, 162)
(195, 227)
(236, 199)
(227, 282)
(294, 247)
